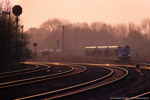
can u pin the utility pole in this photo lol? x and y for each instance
(63, 38)
(22, 33)
(35, 45)
(57, 44)
(63, 35)
(22, 43)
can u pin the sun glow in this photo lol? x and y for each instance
(109, 11)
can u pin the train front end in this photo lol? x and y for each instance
(124, 52)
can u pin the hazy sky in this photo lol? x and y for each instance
(35, 12)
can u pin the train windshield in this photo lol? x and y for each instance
(124, 50)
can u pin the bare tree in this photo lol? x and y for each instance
(79, 35)
(145, 27)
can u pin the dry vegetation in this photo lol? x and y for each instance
(80, 35)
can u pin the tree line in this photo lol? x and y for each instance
(13, 41)
(80, 35)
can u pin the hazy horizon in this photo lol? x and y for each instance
(35, 12)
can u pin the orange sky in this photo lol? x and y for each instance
(35, 12)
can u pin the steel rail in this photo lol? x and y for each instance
(68, 88)
(138, 96)
(91, 87)
(17, 71)
(23, 80)
(44, 78)
(27, 72)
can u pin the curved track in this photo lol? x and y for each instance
(115, 74)
(24, 74)
(73, 70)
(21, 70)
(144, 96)
(60, 80)
(34, 79)
(47, 83)
(17, 72)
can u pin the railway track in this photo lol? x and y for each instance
(24, 74)
(78, 69)
(75, 81)
(143, 96)
(74, 70)
(17, 72)
(34, 79)
(31, 70)
(115, 74)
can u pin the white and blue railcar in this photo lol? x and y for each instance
(109, 52)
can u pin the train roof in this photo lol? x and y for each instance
(105, 46)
